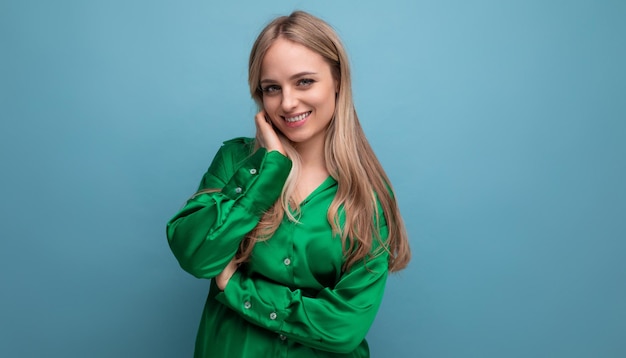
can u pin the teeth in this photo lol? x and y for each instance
(298, 118)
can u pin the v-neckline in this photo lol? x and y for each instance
(327, 183)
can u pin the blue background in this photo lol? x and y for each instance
(501, 123)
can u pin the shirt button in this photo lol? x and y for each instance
(282, 337)
(252, 171)
(273, 316)
(287, 261)
(247, 305)
(238, 190)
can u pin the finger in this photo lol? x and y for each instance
(267, 134)
(261, 118)
(259, 122)
(264, 126)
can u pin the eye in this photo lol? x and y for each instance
(270, 89)
(305, 82)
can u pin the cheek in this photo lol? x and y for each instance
(320, 98)
(326, 101)
(326, 97)
(269, 105)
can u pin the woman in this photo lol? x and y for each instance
(299, 227)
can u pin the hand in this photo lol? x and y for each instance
(266, 133)
(222, 279)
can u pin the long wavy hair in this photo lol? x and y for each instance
(350, 160)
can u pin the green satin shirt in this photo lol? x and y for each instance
(291, 299)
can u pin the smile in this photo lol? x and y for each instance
(297, 118)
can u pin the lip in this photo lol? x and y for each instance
(297, 123)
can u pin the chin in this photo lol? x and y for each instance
(295, 139)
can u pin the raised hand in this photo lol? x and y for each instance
(266, 133)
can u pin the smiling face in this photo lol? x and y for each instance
(298, 92)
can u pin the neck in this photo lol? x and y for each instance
(312, 154)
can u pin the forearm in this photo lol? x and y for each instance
(206, 233)
(336, 319)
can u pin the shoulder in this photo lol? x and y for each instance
(379, 217)
(228, 158)
(237, 149)
(231, 153)
(239, 144)
(239, 141)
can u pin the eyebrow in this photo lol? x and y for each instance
(297, 75)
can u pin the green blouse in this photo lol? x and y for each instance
(291, 299)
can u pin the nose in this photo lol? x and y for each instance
(289, 100)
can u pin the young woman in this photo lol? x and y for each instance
(299, 227)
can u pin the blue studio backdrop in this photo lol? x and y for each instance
(502, 125)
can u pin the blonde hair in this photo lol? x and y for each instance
(350, 160)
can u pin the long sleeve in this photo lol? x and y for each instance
(336, 319)
(205, 235)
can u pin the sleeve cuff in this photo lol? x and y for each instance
(259, 181)
(243, 297)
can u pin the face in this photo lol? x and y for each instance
(298, 92)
